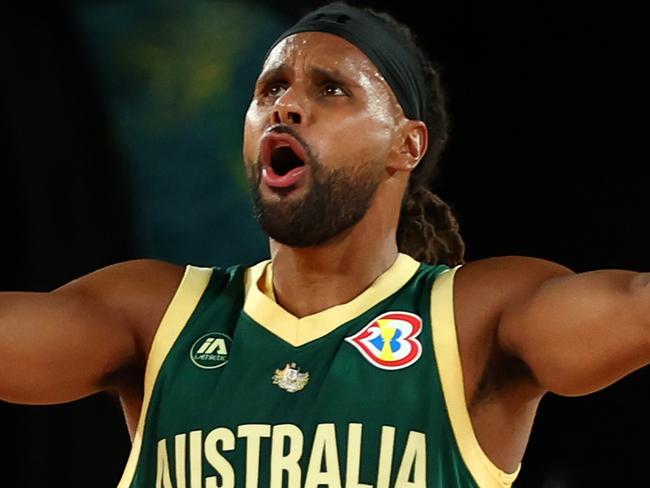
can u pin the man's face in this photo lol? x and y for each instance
(329, 101)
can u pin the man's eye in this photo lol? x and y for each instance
(331, 88)
(271, 89)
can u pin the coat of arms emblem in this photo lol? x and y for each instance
(290, 378)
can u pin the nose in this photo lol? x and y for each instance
(289, 108)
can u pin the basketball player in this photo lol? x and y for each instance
(365, 352)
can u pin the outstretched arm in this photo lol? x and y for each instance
(577, 332)
(77, 340)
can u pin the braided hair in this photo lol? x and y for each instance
(428, 230)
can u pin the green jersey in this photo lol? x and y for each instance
(240, 393)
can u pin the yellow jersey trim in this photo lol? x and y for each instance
(299, 331)
(194, 282)
(445, 346)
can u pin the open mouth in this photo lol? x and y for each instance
(284, 159)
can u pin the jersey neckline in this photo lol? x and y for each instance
(300, 331)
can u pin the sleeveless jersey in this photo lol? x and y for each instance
(239, 393)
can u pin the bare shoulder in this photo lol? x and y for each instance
(138, 292)
(508, 274)
(127, 272)
(483, 290)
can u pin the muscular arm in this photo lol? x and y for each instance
(577, 332)
(78, 339)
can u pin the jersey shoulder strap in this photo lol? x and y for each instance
(196, 283)
(445, 345)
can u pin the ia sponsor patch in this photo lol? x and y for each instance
(390, 340)
(211, 350)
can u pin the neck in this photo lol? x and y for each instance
(309, 280)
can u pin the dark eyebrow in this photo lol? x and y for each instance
(267, 75)
(334, 74)
(314, 71)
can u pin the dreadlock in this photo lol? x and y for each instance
(428, 230)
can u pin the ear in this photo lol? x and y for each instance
(412, 143)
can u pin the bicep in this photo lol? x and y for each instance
(79, 339)
(578, 333)
(58, 346)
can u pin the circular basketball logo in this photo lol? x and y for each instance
(211, 350)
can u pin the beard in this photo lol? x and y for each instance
(335, 201)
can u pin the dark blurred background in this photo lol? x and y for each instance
(121, 138)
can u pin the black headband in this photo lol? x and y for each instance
(400, 66)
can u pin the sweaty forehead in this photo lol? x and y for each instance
(324, 50)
